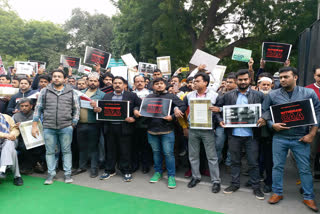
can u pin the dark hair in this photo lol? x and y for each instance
(190, 79)
(158, 80)
(157, 70)
(108, 74)
(175, 77)
(25, 100)
(315, 67)
(169, 86)
(224, 79)
(60, 71)
(45, 77)
(6, 76)
(134, 78)
(265, 74)
(15, 78)
(242, 72)
(204, 76)
(147, 78)
(120, 78)
(286, 69)
(232, 76)
(25, 78)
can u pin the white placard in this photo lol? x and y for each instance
(29, 141)
(129, 60)
(85, 69)
(203, 58)
(26, 67)
(121, 71)
(164, 64)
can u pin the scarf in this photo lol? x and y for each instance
(4, 125)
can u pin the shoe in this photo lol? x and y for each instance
(216, 188)
(26, 171)
(311, 205)
(78, 171)
(258, 193)
(145, 169)
(18, 181)
(127, 177)
(188, 174)
(193, 182)
(93, 173)
(275, 198)
(68, 179)
(49, 180)
(156, 177)
(267, 189)
(106, 176)
(171, 182)
(39, 168)
(2, 175)
(301, 190)
(230, 189)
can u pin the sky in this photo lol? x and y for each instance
(58, 11)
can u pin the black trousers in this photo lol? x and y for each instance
(118, 150)
(29, 158)
(141, 149)
(265, 159)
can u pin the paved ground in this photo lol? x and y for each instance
(242, 201)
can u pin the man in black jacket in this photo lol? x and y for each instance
(118, 134)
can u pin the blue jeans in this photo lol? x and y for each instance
(301, 152)
(62, 138)
(163, 145)
(220, 138)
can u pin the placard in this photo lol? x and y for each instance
(294, 114)
(155, 107)
(40, 64)
(116, 63)
(275, 52)
(216, 75)
(129, 60)
(29, 141)
(244, 115)
(93, 56)
(147, 67)
(202, 58)
(200, 114)
(2, 69)
(241, 54)
(68, 61)
(164, 64)
(7, 90)
(113, 110)
(85, 69)
(26, 68)
(121, 71)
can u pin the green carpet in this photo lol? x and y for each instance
(34, 197)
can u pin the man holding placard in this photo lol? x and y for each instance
(297, 139)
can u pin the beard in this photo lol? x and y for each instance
(265, 91)
(93, 86)
(243, 86)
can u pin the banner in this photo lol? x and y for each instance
(85, 69)
(147, 67)
(275, 52)
(244, 115)
(40, 64)
(29, 141)
(7, 90)
(93, 56)
(121, 71)
(294, 114)
(200, 114)
(242, 55)
(129, 60)
(26, 67)
(164, 64)
(113, 110)
(155, 107)
(203, 58)
(116, 63)
(68, 61)
(2, 69)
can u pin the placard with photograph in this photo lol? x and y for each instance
(294, 114)
(113, 110)
(121, 71)
(147, 67)
(129, 60)
(40, 64)
(94, 55)
(69, 61)
(241, 54)
(26, 68)
(275, 52)
(216, 75)
(244, 115)
(202, 58)
(7, 90)
(29, 141)
(200, 115)
(85, 69)
(2, 69)
(164, 64)
(155, 107)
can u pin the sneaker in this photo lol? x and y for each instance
(258, 193)
(68, 179)
(172, 182)
(18, 181)
(49, 180)
(230, 189)
(156, 177)
(93, 173)
(106, 176)
(127, 177)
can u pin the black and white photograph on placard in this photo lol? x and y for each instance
(246, 115)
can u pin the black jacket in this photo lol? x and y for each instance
(12, 105)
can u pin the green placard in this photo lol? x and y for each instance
(242, 55)
(116, 63)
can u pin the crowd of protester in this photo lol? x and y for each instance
(75, 139)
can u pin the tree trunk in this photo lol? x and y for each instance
(227, 51)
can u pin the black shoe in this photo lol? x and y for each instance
(145, 169)
(40, 168)
(258, 193)
(18, 181)
(301, 191)
(267, 189)
(193, 182)
(230, 189)
(26, 171)
(93, 173)
(216, 188)
(78, 171)
(2, 175)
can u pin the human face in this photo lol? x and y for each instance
(15, 83)
(72, 81)
(316, 76)
(288, 80)
(157, 75)
(175, 81)
(93, 83)
(159, 86)
(223, 84)
(82, 84)
(107, 81)
(200, 84)
(231, 84)
(24, 85)
(170, 90)
(4, 80)
(189, 84)
(243, 82)
(265, 86)
(139, 83)
(57, 79)
(43, 83)
(25, 107)
(118, 85)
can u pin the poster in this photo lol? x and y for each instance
(147, 67)
(203, 58)
(68, 61)
(242, 55)
(216, 75)
(294, 114)
(200, 115)
(85, 69)
(29, 141)
(26, 67)
(113, 110)
(115, 63)
(129, 60)
(40, 64)
(245, 115)
(155, 107)
(164, 64)
(7, 90)
(121, 71)
(93, 55)
(275, 52)
(2, 69)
